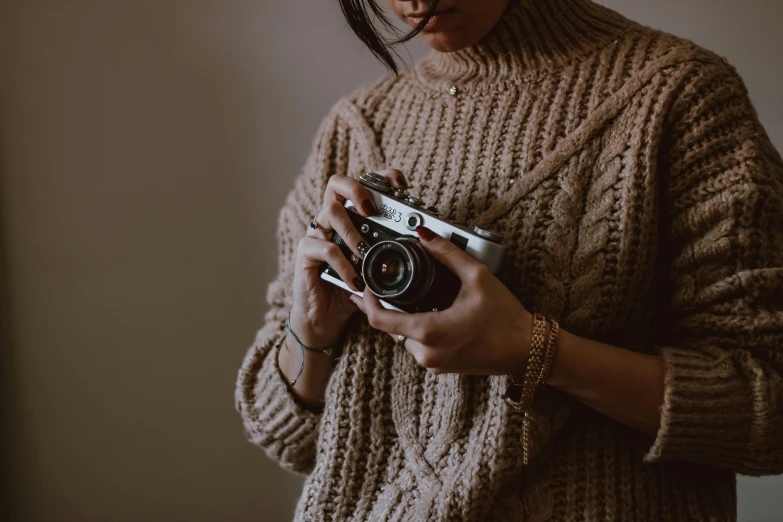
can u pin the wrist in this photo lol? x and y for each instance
(315, 336)
(311, 383)
(292, 353)
(524, 336)
(559, 377)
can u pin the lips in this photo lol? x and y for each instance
(435, 20)
(422, 14)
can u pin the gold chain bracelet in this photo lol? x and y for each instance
(549, 358)
(534, 364)
(539, 366)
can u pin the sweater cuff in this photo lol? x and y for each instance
(705, 412)
(273, 418)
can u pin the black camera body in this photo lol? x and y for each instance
(397, 268)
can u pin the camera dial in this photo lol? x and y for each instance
(487, 234)
(375, 182)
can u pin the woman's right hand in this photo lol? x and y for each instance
(321, 309)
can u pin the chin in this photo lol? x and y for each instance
(445, 43)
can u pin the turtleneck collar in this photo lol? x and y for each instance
(531, 37)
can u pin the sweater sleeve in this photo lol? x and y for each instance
(272, 418)
(723, 361)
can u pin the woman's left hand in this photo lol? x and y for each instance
(486, 331)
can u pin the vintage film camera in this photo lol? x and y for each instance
(397, 268)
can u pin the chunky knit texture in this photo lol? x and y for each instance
(660, 229)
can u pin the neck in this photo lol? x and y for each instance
(532, 36)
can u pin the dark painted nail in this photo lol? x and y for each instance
(425, 233)
(363, 248)
(401, 182)
(368, 207)
(358, 283)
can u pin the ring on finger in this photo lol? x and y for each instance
(315, 226)
(401, 340)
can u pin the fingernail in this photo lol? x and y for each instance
(368, 207)
(352, 299)
(401, 182)
(425, 233)
(358, 283)
(363, 248)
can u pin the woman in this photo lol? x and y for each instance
(642, 203)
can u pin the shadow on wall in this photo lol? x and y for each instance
(6, 376)
(138, 219)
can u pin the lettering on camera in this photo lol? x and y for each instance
(390, 213)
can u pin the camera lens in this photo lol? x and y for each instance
(400, 271)
(389, 270)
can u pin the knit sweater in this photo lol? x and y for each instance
(662, 232)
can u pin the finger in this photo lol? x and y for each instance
(432, 359)
(319, 231)
(395, 177)
(320, 251)
(335, 217)
(339, 188)
(424, 327)
(360, 304)
(450, 255)
(358, 301)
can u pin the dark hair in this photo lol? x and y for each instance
(359, 14)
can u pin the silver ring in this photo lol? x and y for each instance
(401, 340)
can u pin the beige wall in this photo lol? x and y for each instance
(145, 149)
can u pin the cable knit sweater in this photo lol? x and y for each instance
(661, 232)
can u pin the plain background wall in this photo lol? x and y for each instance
(146, 148)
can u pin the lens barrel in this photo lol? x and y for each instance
(400, 271)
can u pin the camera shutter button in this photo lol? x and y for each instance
(416, 202)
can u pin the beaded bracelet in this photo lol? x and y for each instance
(326, 351)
